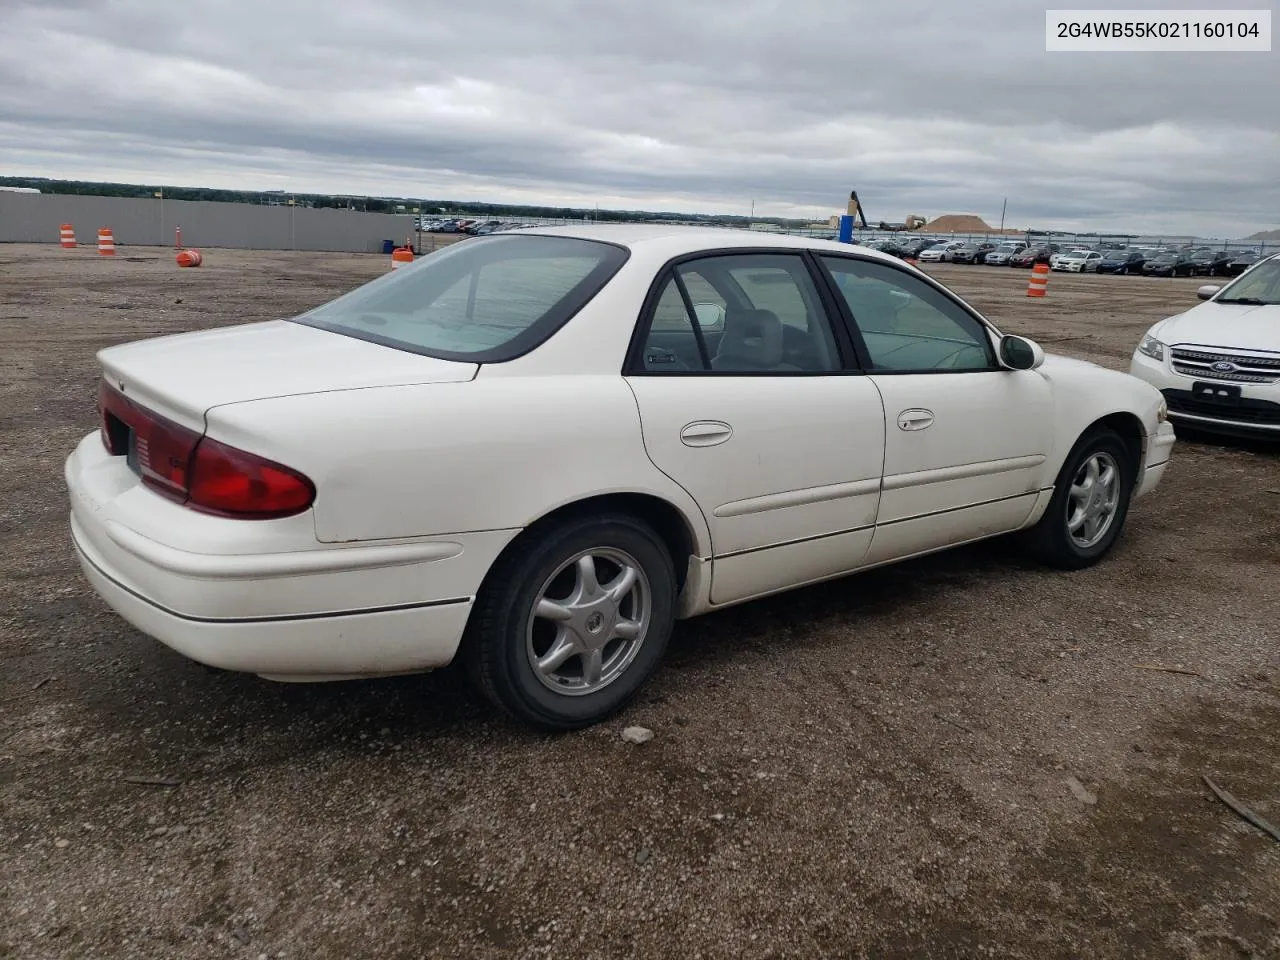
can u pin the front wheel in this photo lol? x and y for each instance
(570, 624)
(1089, 505)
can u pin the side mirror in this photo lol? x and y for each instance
(709, 314)
(1207, 291)
(1019, 353)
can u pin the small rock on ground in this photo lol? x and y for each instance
(637, 735)
(1081, 792)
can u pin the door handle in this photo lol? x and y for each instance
(916, 418)
(705, 433)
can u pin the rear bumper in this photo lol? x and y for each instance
(304, 648)
(266, 597)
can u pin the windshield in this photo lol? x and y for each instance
(1259, 285)
(482, 300)
(1009, 247)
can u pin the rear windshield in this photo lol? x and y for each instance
(483, 300)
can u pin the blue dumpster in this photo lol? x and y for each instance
(388, 246)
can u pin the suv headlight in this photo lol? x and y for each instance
(1162, 411)
(1152, 347)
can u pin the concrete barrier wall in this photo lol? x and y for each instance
(34, 218)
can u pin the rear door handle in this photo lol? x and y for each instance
(916, 418)
(705, 433)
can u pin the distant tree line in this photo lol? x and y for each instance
(430, 207)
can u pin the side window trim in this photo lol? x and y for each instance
(991, 334)
(855, 356)
(694, 323)
(848, 353)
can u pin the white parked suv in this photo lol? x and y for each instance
(1218, 364)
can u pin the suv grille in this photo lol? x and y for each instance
(1199, 363)
(1261, 412)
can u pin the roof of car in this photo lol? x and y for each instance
(674, 240)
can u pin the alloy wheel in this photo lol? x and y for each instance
(589, 621)
(1093, 500)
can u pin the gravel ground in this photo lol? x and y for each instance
(874, 767)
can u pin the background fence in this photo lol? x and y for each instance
(141, 221)
(144, 221)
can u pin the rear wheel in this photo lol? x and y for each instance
(570, 624)
(1089, 505)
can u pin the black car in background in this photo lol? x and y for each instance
(1241, 263)
(1122, 261)
(913, 248)
(1037, 253)
(972, 252)
(1210, 263)
(1171, 263)
(888, 245)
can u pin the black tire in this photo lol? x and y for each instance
(494, 649)
(1050, 540)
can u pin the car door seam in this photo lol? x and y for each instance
(644, 443)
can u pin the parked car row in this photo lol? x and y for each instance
(1149, 261)
(476, 228)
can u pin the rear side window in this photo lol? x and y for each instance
(483, 300)
(744, 313)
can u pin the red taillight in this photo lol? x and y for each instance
(163, 448)
(233, 483)
(197, 471)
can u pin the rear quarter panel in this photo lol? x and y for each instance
(424, 460)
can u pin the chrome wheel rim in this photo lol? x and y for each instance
(1094, 500)
(589, 621)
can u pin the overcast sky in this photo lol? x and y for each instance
(923, 107)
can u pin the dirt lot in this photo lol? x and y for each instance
(873, 767)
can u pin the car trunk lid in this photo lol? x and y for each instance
(184, 375)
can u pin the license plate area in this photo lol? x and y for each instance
(1221, 393)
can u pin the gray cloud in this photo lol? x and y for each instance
(673, 104)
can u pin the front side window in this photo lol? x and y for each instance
(483, 300)
(908, 326)
(740, 313)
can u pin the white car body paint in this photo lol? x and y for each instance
(1078, 261)
(426, 470)
(941, 252)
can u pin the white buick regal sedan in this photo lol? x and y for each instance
(533, 452)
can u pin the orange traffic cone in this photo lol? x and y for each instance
(1038, 282)
(400, 256)
(67, 236)
(106, 242)
(189, 258)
